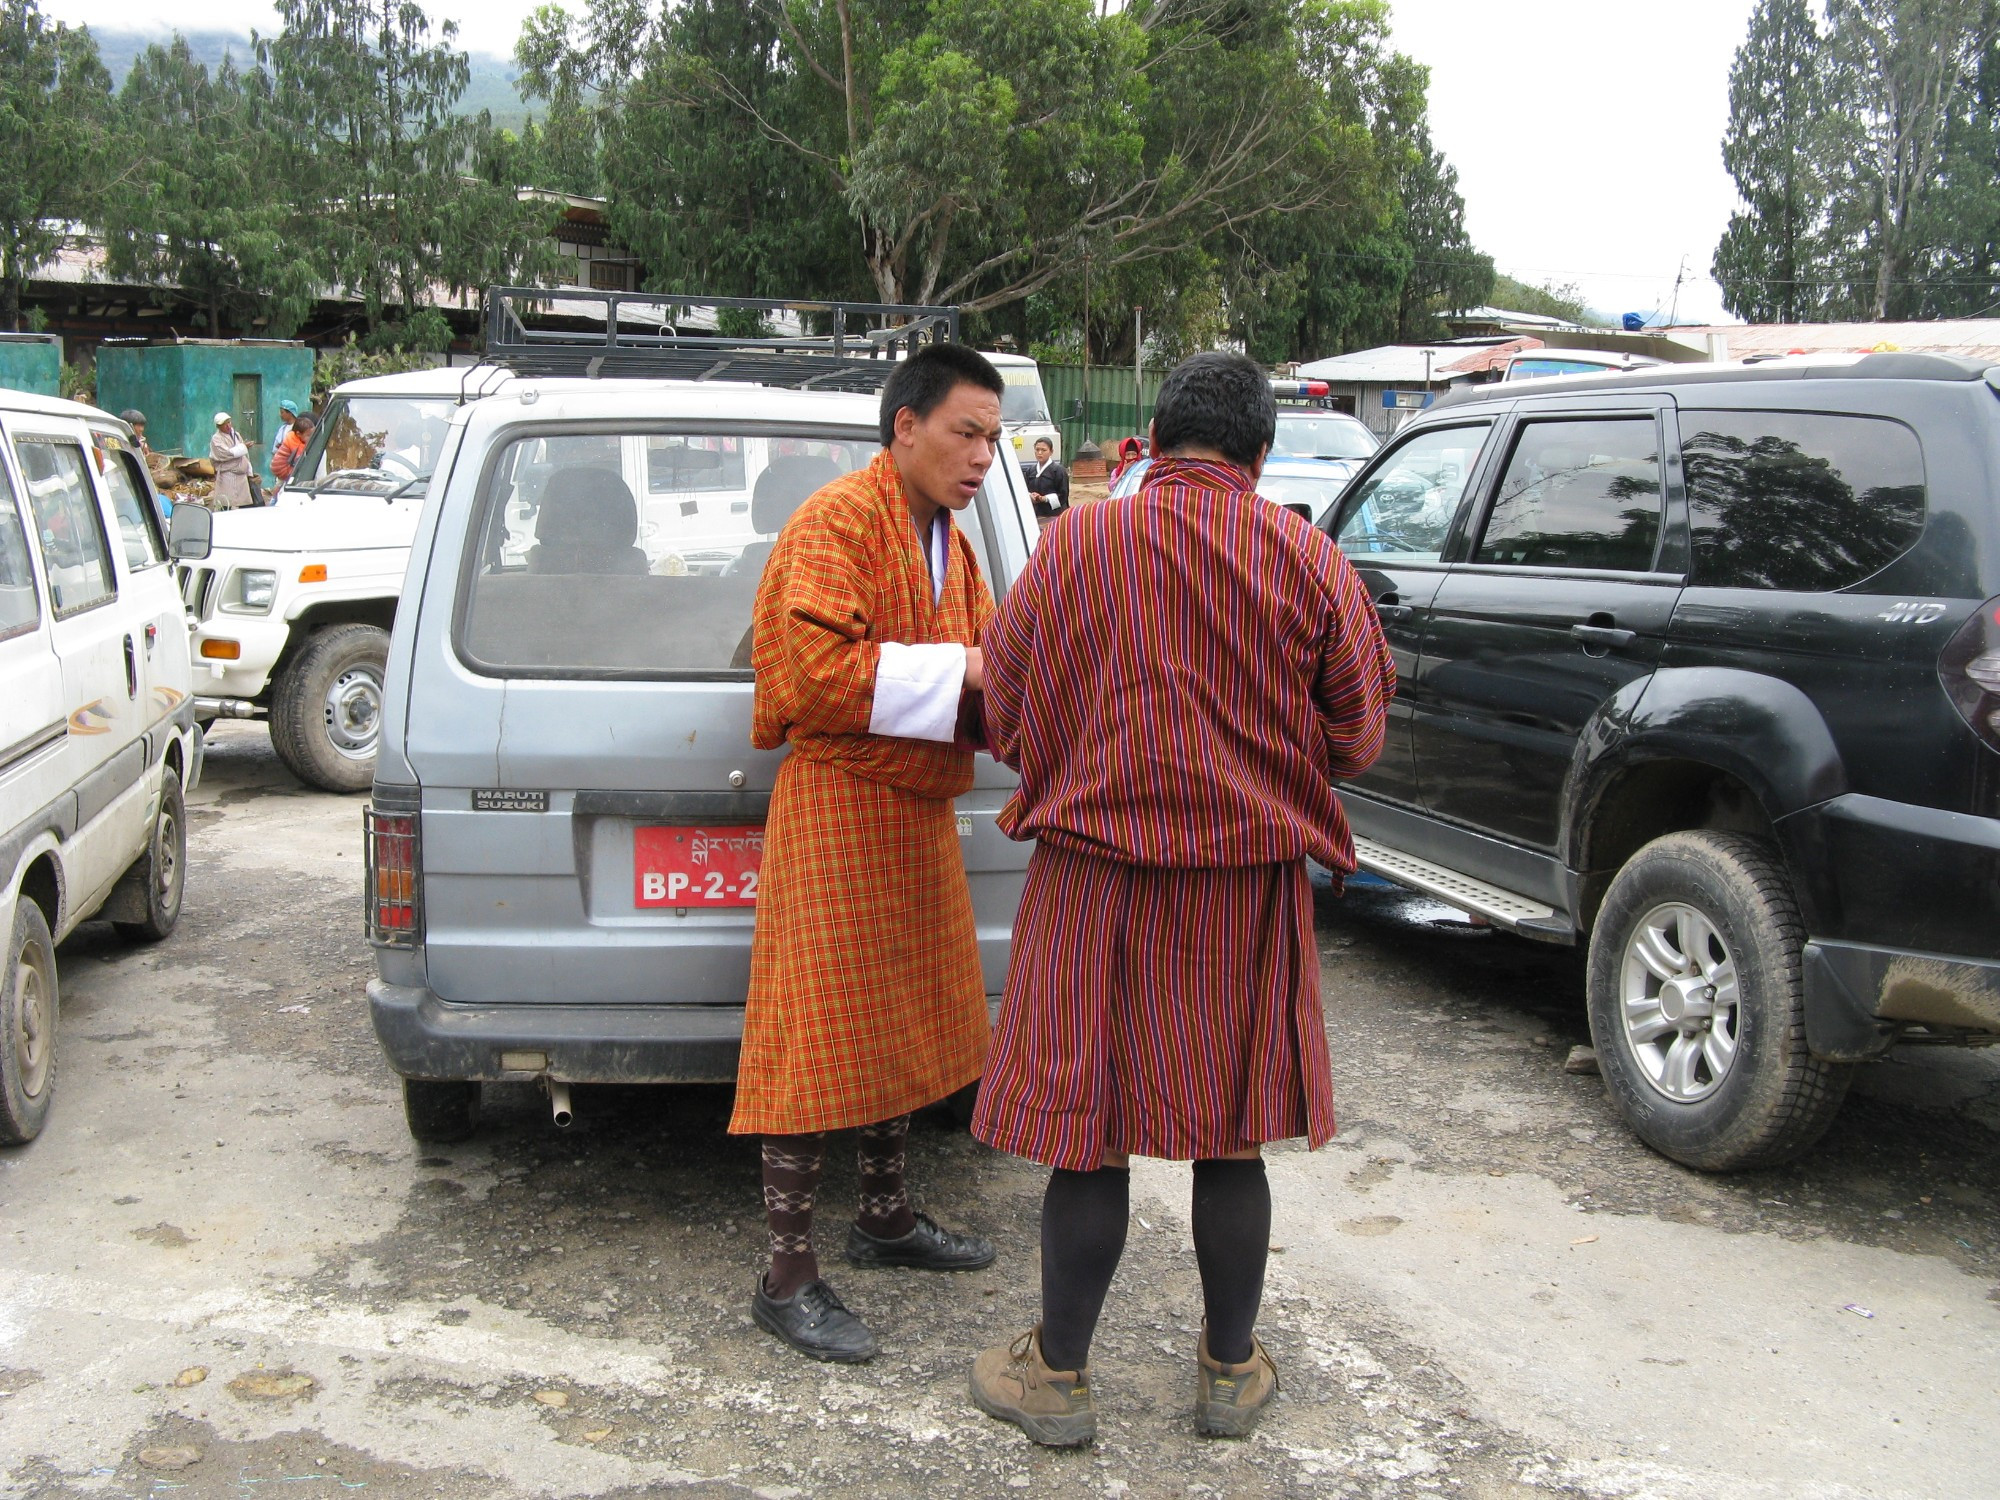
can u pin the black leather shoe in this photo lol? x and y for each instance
(926, 1247)
(814, 1321)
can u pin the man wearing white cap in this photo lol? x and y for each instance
(231, 456)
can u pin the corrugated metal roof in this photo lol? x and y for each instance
(1976, 338)
(1405, 364)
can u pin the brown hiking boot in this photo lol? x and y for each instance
(1053, 1407)
(1228, 1399)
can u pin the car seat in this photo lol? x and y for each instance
(587, 523)
(780, 490)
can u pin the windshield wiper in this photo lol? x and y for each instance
(404, 488)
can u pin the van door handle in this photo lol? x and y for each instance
(1605, 636)
(131, 669)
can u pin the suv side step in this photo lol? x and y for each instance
(1533, 919)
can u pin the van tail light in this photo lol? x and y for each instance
(1970, 671)
(393, 886)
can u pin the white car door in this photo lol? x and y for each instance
(33, 720)
(104, 756)
(151, 600)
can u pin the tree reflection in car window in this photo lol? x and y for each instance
(1800, 501)
(1578, 495)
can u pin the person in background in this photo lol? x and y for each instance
(1048, 481)
(135, 419)
(231, 456)
(1130, 451)
(293, 445)
(1178, 719)
(288, 413)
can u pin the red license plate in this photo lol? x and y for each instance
(696, 866)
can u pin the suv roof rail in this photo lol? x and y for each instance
(580, 332)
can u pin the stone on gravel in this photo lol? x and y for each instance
(170, 1458)
(192, 1375)
(1581, 1060)
(272, 1385)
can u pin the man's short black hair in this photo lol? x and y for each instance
(1219, 401)
(922, 381)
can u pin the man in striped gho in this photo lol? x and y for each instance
(866, 997)
(1179, 676)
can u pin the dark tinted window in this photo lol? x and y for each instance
(1799, 500)
(1578, 495)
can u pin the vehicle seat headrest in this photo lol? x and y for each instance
(784, 486)
(586, 510)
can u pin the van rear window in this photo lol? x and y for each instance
(635, 555)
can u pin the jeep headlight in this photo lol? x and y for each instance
(251, 591)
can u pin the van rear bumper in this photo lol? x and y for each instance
(425, 1037)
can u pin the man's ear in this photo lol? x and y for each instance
(1257, 469)
(905, 423)
(1152, 442)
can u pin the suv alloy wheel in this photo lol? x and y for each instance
(1697, 1005)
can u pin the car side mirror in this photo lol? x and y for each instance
(191, 533)
(1301, 510)
(1075, 410)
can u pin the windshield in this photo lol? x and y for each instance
(1314, 492)
(376, 443)
(1023, 400)
(1328, 436)
(1534, 369)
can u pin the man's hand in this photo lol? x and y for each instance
(975, 670)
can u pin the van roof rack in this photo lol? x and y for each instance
(579, 332)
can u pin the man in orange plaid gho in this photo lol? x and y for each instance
(866, 998)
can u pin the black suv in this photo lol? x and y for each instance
(1701, 667)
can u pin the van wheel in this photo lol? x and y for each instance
(1697, 1005)
(326, 710)
(29, 1006)
(440, 1111)
(147, 900)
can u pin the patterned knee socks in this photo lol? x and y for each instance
(791, 1177)
(885, 1201)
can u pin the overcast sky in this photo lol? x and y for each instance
(1586, 133)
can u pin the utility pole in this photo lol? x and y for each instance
(1086, 353)
(1138, 371)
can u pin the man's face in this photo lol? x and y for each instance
(943, 457)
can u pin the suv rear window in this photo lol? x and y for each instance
(1800, 501)
(1579, 495)
(609, 554)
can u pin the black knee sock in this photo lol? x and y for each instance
(1232, 1237)
(791, 1179)
(879, 1156)
(1083, 1235)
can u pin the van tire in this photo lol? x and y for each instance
(30, 1004)
(440, 1112)
(339, 672)
(146, 903)
(1771, 1098)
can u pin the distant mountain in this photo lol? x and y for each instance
(491, 86)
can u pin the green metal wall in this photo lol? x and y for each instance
(31, 362)
(1111, 414)
(181, 386)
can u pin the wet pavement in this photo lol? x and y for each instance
(227, 1270)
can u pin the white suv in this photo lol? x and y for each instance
(97, 737)
(290, 612)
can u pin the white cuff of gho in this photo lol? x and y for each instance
(917, 691)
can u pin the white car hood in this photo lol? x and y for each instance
(319, 523)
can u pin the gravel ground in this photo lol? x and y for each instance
(226, 1266)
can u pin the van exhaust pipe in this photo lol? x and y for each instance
(559, 1109)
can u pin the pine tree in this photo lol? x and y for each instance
(1771, 257)
(203, 209)
(55, 113)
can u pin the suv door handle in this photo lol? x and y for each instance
(1602, 635)
(1388, 608)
